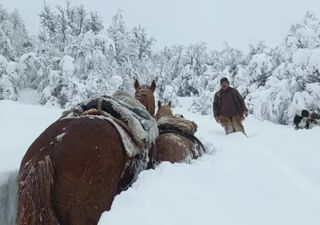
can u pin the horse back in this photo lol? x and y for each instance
(174, 147)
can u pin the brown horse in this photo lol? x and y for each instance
(144, 94)
(174, 145)
(74, 169)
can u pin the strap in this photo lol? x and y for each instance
(99, 105)
(189, 136)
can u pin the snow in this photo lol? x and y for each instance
(21, 124)
(315, 58)
(8, 189)
(304, 57)
(67, 65)
(301, 57)
(71, 61)
(59, 138)
(271, 177)
(12, 67)
(29, 96)
(3, 64)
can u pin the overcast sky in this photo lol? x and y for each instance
(190, 21)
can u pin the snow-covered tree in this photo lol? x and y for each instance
(75, 57)
(14, 39)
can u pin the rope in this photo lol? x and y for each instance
(99, 106)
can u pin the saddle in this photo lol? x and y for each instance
(177, 123)
(136, 126)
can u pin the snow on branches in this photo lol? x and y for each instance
(75, 57)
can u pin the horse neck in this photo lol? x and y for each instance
(147, 100)
(150, 105)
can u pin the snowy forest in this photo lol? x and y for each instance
(75, 57)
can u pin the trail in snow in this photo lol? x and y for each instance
(271, 177)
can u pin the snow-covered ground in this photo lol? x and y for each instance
(29, 96)
(20, 125)
(271, 177)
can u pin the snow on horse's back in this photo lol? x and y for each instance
(8, 197)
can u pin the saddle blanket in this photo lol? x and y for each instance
(136, 126)
(177, 123)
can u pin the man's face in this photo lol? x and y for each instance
(224, 85)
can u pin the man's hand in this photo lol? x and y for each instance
(217, 119)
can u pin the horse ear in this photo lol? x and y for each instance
(153, 85)
(170, 104)
(136, 84)
(159, 104)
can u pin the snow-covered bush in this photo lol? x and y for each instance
(14, 39)
(30, 69)
(170, 94)
(203, 103)
(7, 85)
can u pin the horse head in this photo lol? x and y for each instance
(145, 94)
(163, 110)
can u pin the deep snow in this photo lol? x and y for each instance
(29, 96)
(271, 177)
(20, 125)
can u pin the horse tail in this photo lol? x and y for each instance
(35, 182)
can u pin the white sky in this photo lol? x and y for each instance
(190, 21)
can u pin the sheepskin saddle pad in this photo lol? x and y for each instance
(136, 126)
(177, 123)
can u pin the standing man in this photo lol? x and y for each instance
(229, 108)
